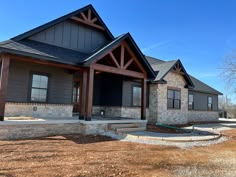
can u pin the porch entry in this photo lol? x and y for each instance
(76, 96)
(119, 60)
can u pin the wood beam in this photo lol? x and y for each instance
(90, 94)
(122, 56)
(43, 62)
(144, 99)
(89, 14)
(134, 57)
(87, 23)
(128, 63)
(119, 71)
(84, 16)
(103, 55)
(94, 20)
(114, 59)
(3, 84)
(83, 94)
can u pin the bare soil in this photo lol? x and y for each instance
(77, 155)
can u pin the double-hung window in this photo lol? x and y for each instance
(173, 99)
(209, 103)
(190, 102)
(39, 88)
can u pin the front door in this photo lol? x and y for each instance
(76, 103)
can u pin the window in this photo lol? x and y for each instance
(136, 97)
(209, 104)
(76, 92)
(39, 88)
(173, 99)
(190, 102)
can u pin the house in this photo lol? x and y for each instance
(74, 64)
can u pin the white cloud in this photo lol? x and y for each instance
(156, 45)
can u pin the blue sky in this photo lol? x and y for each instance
(199, 32)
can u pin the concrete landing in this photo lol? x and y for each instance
(183, 137)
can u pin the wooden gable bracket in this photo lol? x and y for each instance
(120, 67)
(88, 20)
(178, 69)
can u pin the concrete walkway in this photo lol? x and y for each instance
(201, 132)
(183, 137)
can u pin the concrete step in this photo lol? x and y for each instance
(132, 125)
(130, 129)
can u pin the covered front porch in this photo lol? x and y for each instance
(117, 63)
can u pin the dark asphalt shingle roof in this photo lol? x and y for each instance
(163, 67)
(152, 60)
(202, 87)
(40, 50)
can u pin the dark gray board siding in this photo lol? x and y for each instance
(200, 101)
(107, 90)
(72, 35)
(60, 82)
(127, 92)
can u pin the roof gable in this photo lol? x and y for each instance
(91, 15)
(176, 66)
(133, 46)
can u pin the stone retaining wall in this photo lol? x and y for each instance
(25, 131)
(202, 116)
(38, 110)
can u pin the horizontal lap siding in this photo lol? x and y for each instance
(200, 101)
(72, 36)
(60, 82)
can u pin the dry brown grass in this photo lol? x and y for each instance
(77, 155)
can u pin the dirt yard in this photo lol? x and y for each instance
(100, 156)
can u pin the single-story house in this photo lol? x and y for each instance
(74, 64)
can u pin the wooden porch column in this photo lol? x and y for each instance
(83, 95)
(90, 94)
(3, 84)
(143, 102)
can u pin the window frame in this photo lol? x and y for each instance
(192, 108)
(173, 99)
(211, 109)
(31, 86)
(132, 96)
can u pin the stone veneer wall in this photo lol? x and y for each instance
(38, 110)
(158, 101)
(202, 116)
(116, 111)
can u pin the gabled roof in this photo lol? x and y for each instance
(130, 41)
(48, 52)
(202, 87)
(42, 51)
(61, 19)
(153, 60)
(164, 68)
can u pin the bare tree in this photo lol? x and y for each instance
(229, 70)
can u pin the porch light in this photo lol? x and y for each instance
(102, 113)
